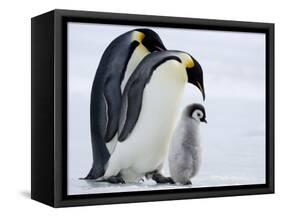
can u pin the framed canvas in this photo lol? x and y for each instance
(134, 108)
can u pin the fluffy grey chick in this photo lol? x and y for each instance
(185, 148)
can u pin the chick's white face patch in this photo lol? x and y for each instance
(197, 115)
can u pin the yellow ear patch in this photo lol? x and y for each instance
(189, 63)
(138, 36)
(186, 60)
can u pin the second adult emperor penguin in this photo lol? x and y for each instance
(150, 106)
(116, 65)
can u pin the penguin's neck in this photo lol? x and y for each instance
(139, 53)
(171, 73)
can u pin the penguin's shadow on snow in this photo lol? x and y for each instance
(94, 184)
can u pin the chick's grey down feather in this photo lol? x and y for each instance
(185, 148)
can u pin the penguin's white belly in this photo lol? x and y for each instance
(146, 147)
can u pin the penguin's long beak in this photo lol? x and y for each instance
(195, 77)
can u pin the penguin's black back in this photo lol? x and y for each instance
(105, 99)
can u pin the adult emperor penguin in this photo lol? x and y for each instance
(116, 65)
(150, 105)
(185, 148)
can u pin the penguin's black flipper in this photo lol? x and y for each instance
(130, 110)
(112, 100)
(133, 93)
(104, 125)
(98, 121)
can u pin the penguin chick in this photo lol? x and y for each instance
(185, 149)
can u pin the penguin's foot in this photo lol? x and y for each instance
(159, 178)
(188, 182)
(114, 179)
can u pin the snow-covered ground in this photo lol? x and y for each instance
(233, 141)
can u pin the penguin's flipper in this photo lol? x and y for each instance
(130, 110)
(104, 124)
(112, 100)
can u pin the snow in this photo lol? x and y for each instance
(233, 141)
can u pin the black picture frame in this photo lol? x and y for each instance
(49, 107)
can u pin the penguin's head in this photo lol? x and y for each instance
(197, 112)
(149, 39)
(193, 70)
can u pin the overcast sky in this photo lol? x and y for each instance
(234, 76)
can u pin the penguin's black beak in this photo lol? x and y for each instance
(204, 120)
(195, 76)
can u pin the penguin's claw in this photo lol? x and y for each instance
(188, 182)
